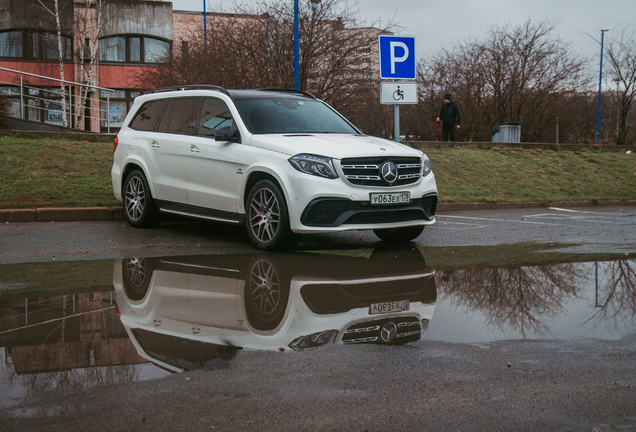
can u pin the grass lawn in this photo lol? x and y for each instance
(498, 175)
(72, 172)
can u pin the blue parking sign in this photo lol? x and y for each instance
(397, 57)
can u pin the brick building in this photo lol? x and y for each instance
(107, 48)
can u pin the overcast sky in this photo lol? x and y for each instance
(439, 23)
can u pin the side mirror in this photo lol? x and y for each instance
(228, 133)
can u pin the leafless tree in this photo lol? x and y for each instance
(621, 55)
(518, 73)
(255, 49)
(58, 10)
(89, 22)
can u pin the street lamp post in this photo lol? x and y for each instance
(314, 6)
(600, 80)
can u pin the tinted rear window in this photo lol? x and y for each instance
(146, 118)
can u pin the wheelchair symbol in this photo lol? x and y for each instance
(398, 94)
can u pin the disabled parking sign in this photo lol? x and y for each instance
(397, 57)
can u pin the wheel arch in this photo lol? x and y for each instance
(258, 175)
(131, 166)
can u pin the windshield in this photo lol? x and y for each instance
(284, 115)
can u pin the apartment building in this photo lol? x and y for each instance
(107, 46)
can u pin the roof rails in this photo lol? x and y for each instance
(286, 90)
(190, 87)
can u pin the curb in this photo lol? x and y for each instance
(117, 213)
(531, 204)
(62, 214)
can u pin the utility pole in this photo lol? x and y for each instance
(600, 80)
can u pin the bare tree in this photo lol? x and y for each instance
(254, 49)
(56, 9)
(621, 55)
(89, 23)
(518, 74)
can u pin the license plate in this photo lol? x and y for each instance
(390, 198)
(387, 307)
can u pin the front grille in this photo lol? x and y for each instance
(366, 171)
(409, 329)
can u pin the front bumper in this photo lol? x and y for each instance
(334, 212)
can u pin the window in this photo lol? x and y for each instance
(147, 116)
(214, 115)
(45, 46)
(11, 44)
(133, 49)
(112, 49)
(120, 103)
(155, 50)
(184, 116)
(34, 45)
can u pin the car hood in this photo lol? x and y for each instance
(336, 146)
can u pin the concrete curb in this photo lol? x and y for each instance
(62, 214)
(531, 204)
(117, 213)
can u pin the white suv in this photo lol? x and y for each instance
(279, 161)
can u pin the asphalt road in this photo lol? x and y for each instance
(609, 229)
(543, 384)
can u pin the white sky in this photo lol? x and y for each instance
(439, 23)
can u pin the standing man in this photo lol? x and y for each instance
(450, 117)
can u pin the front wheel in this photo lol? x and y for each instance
(399, 234)
(267, 217)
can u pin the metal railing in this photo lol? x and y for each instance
(56, 97)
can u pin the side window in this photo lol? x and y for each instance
(165, 119)
(146, 118)
(184, 116)
(214, 115)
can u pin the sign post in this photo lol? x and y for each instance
(397, 62)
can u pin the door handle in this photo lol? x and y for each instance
(194, 149)
(154, 144)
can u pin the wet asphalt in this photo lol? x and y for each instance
(539, 383)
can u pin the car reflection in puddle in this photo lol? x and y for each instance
(60, 330)
(192, 312)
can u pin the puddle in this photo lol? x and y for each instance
(66, 326)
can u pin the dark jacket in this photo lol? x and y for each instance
(449, 114)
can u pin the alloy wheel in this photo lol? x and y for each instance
(264, 216)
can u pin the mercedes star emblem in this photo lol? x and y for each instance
(389, 172)
(389, 331)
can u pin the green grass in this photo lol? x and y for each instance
(500, 175)
(55, 172)
(50, 171)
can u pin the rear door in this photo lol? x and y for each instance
(170, 148)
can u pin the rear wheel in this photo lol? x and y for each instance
(139, 206)
(137, 273)
(267, 217)
(399, 234)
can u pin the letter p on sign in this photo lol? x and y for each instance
(397, 57)
(394, 58)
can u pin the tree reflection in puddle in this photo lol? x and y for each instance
(551, 301)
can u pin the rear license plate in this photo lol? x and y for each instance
(390, 198)
(387, 307)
